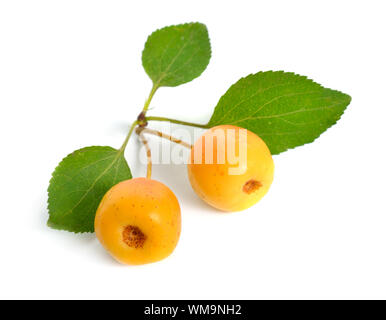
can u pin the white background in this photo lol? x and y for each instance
(71, 76)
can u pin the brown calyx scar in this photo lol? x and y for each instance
(251, 186)
(133, 237)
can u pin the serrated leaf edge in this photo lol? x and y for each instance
(157, 84)
(55, 226)
(282, 72)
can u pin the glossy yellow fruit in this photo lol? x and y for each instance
(241, 171)
(139, 221)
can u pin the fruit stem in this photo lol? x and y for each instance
(165, 136)
(185, 123)
(139, 131)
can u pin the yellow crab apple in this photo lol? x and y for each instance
(230, 168)
(139, 221)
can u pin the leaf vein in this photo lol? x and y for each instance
(93, 184)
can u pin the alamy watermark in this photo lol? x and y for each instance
(218, 146)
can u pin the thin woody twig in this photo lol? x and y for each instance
(164, 136)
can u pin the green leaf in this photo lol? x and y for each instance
(177, 54)
(79, 183)
(285, 109)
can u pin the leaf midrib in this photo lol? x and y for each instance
(287, 113)
(262, 90)
(119, 153)
(165, 72)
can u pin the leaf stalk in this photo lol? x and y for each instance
(184, 123)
